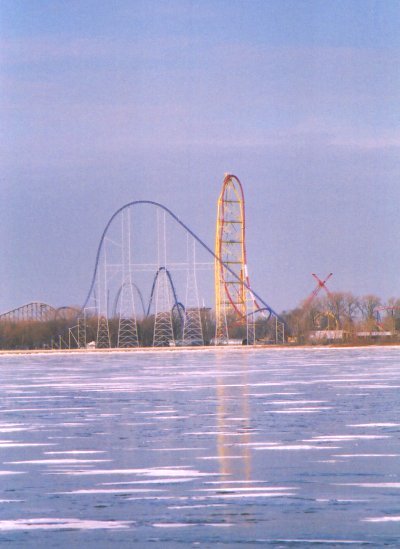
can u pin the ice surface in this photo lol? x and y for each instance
(224, 448)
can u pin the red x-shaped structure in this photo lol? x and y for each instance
(320, 284)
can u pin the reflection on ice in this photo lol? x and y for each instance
(6, 473)
(367, 425)
(171, 524)
(61, 524)
(11, 444)
(113, 491)
(67, 452)
(310, 410)
(383, 519)
(366, 455)
(55, 461)
(372, 484)
(307, 542)
(296, 447)
(344, 438)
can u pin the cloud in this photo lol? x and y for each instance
(43, 49)
(102, 97)
(66, 48)
(381, 140)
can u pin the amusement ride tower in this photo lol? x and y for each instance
(234, 301)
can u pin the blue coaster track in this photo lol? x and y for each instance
(265, 305)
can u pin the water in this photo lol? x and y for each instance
(216, 448)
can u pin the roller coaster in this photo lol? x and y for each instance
(143, 238)
(36, 311)
(235, 301)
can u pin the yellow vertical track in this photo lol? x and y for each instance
(230, 247)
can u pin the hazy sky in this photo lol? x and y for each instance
(104, 102)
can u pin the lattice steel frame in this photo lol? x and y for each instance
(233, 301)
(127, 325)
(219, 267)
(163, 335)
(192, 328)
(34, 311)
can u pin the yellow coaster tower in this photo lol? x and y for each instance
(234, 303)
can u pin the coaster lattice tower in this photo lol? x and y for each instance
(103, 340)
(192, 328)
(234, 302)
(163, 334)
(115, 278)
(127, 326)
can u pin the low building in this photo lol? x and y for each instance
(320, 336)
(375, 334)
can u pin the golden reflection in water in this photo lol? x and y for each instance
(233, 422)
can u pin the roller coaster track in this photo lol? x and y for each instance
(136, 203)
(177, 305)
(37, 311)
(235, 302)
(117, 298)
(230, 246)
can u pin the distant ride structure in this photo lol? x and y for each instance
(37, 311)
(150, 271)
(174, 323)
(231, 303)
(321, 285)
(235, 302)
(326, 319)
(174, 303)
(390, 311)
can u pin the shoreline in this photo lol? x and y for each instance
(210, 348)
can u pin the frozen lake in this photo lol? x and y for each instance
(221, 448)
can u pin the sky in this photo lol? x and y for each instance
(105, 102)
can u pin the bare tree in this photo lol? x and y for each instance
(367, 305)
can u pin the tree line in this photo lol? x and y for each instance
(64, 333)
(341, 316)
(352, 318)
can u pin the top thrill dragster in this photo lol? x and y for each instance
(234, 302)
